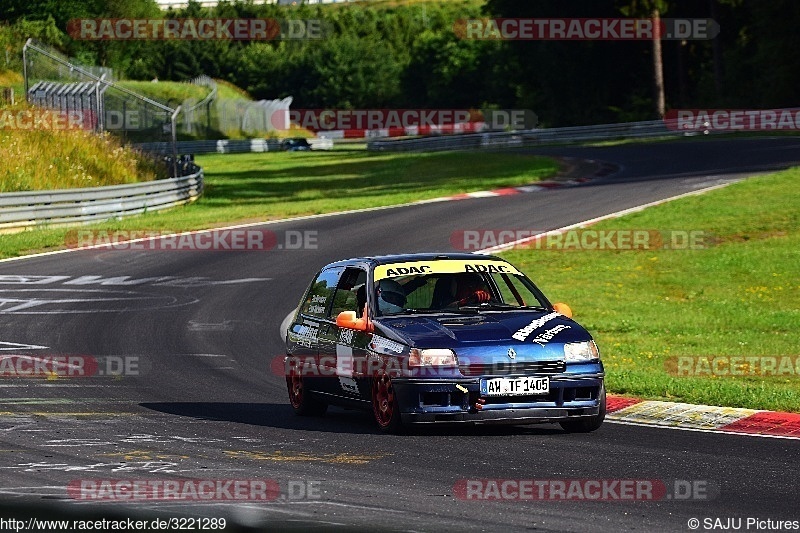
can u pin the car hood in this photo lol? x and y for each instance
(529, 331)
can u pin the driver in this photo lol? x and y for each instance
(471, 290)
(391, 297)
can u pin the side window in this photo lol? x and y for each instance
(319, 297)
(351, 293)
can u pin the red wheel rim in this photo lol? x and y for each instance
(383, 400)
(295, 384)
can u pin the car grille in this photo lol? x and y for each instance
(502, 369)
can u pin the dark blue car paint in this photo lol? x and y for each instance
(480, 340)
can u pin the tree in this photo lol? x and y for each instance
(572, 82)
(653, 9)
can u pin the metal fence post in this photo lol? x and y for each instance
(25, 65)
(99, 105)
(173, 122)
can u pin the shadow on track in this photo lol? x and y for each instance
(686, 158)
(337, 420)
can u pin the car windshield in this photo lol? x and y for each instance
(438, 291)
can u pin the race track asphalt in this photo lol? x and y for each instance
(203, 328)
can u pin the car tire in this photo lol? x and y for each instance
(590, 423)
(302, 402)
(384, 405)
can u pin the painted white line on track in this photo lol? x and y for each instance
(616, 214)
(224, 228)
(17, 346)
(477, 194)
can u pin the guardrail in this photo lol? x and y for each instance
(62, 207)
(626, 130)
(227, 146)
(212, 147)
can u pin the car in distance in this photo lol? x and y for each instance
(296, 144)
(427, 338)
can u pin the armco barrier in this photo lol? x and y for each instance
(21, 210)
(227, 146)
(212, 146)
(627, 130)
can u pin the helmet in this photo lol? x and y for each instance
(468, 284)
(391, 297)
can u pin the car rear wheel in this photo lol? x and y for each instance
(589, 423)
(300, 398)
(384, 405)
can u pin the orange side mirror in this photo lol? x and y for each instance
(347, 319)
(563, 308)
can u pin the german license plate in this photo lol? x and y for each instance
(526, 386)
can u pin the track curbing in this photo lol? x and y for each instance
(604, 170)
(736, 420)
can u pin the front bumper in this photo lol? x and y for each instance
(436, 401)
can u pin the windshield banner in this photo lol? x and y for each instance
(445, 266)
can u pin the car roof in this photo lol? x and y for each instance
(376, 260)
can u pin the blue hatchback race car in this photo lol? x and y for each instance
(425, 338)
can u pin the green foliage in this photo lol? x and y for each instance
(404, 53)
(13, 37)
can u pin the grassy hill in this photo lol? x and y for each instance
(167, 92)
(226, 111)
(61, 159)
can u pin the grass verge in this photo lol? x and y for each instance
(45, 159)
(259, 187)
(739, 296)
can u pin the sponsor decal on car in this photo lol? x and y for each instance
(306, 335)
(345, 363)
(317, 305)
(382, 344)
(546, 336)
(348, 385)
(522, 334)
(449, 266)
(346, 336)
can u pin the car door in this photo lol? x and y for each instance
(338, 350)
(311, 325)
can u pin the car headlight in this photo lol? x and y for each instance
(578, 352)
(432, 357)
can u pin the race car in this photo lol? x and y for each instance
(296, 144)
(433, 338)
